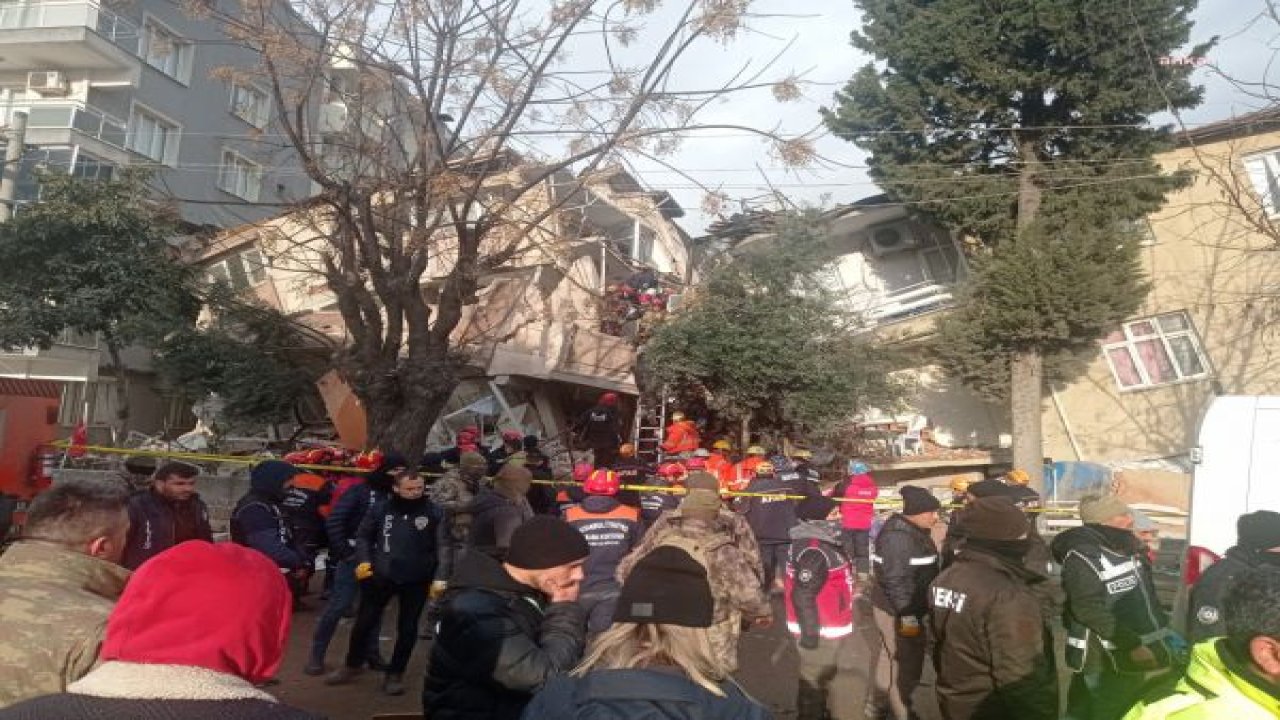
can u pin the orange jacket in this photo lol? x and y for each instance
(744, 472)
(720, 466)
(682, 437)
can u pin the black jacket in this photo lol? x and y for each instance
(497, 642)
(904, 562)
(258, 522)
(993, 648)
(494, 518)
(1204, 610)
(344, 519)
(652, 694)
(153, 525)
(69, 706)
(402, 538)
(1111, 600)
(598, 427)
(771, 519)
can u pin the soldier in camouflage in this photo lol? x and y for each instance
(731, 555)
(58, 584)
(453, 493)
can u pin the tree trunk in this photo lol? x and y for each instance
(1025, 394)
(119, 423)
(403, 402)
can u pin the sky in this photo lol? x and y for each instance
(815, 37)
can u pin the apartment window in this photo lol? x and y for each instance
(100, 397)
(240, 176)
(166, 51)
(153, 136)
(240, 271)
(249, 104)
(1155, 351)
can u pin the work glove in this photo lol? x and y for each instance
(436, 589)
(364, 571)
(908, 626)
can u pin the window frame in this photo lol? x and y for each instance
(170, 150)
(263, 117)
(254, 273)
(1270, 199)
(253, 193)
(184, 57)
(1130, 342)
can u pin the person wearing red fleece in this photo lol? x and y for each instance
(175, 648)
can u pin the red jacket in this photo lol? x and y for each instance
(858, 515)
(682, 437)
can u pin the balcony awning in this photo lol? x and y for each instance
(31, 388)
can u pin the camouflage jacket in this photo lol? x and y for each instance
(734, 572)
(453, 495)
(54, 604)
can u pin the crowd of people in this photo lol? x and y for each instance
(622, 593)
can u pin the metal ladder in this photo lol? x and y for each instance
(648, 437)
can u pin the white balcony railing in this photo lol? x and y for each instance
(21, 16)
(906, 302)
(69, 115)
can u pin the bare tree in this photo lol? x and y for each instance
(444, 138)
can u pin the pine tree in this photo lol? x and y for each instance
(1023, 125)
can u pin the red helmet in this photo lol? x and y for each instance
(602, 482)
(296, 457)
(609, 399)
(370, 460)
(582, 472)
(512, 435)
(696, 463)
(672, 470)
(318, 456)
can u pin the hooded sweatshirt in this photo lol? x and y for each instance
(258, 521)
(175, 647)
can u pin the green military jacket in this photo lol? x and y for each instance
(54, 604)
(1210, 690)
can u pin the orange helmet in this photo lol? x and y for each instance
(1018, 477)
(627, 450)
(602, 482)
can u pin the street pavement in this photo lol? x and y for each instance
(767, 670)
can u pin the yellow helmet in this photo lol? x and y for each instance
(677, 416)
(960, 483)
(722, 445)
(1018, 477)
(802, 453)
(756, 450)
(764, 468)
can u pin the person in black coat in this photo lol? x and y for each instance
(771, 518)
(1257, 544)
(507, 627)
(398, 547)
(168, 513)
(656, 661)
(258, 520)
(599, 430)
(497, 511)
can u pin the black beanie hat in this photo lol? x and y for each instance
(815, 507)
(917, 500)
(1258, 530)
(544, 542)
(994, 518)
(667, 587)
(988, 488)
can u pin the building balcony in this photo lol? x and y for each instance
(73, 357)
(68, 122)
(66, 36)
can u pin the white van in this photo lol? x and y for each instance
(1237, 470)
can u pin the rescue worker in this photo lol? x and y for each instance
(719, 463)
(1018, 481)
(1117, 632)
(732, 558)
(653, 503)
(512, 446)
(599, 430)
(454, 494)
(745, 471)
(682, 435)
(771, 515)
(989, 487)
(168, 513)
(819, 602)
(612, 530)
(258, 520)
(398, 550)
(904, 561)
(993, 647)
(857, 513)
(1257, 545)
(1237, 676)
(632, 472)
(306, 493)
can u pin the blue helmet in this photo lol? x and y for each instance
(857, 467)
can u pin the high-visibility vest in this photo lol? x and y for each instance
(835, 599)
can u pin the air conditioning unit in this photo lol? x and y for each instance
(47, 82)
(891, 238)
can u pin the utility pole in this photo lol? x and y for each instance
(12, 163)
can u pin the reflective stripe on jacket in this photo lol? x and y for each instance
(1215, 686)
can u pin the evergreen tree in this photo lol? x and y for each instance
(1023, 125)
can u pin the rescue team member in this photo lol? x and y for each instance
(858, 513)
(611, 530)
(802, 466)
(1117, 633)
(398, 551)
(819, 602)
(653, 503)
(512, 447)
(745, 471)
(168, 513)
(1237, 676)
(258, 520)
(58, 583)
(682, 435)
(724, 543)
(771, 519)
(1257, 545)
(904, 562)
(506, 627)
(303, 498)
(989, 487)
(993, 646)
(1019, 481)
(719, 463)
(599, 430)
